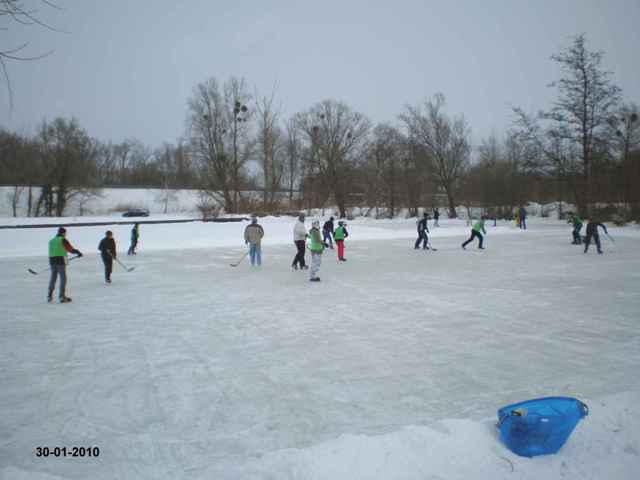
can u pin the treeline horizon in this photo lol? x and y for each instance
(584, 150)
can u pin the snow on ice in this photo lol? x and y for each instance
(392, 367)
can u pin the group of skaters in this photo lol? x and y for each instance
(60, 247)
(319, 240)
(592, 232)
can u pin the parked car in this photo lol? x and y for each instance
(136, 212)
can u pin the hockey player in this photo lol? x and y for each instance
(327, 232)
(576, 221)
(253, 237)
(299, 238)
(475, 232)
(423, 229)
(316, 246)
(135, 235)
(339, 235)
(592, 232)
(59, 246)
(107, 248)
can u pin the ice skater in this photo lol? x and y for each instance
(592, 232)
(523, 218)
(436, 217)
(339, 235)
(59, 246)
(317, 246)
(423, 229)
(253, 237)
(576, 221)
(299, 239)
(327, 232)
(107, 249)
(475, 232)
(135, 236)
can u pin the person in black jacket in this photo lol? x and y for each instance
(327, 232)
(107, 249)
(423, 229)
(592, 231)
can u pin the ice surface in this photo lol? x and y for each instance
(188, 368)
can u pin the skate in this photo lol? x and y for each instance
(294, 267)
(65, 300)
(49, 299)
(304, 267)
(314, 279)
(342, 259)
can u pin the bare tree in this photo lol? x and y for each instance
(383, 168)
(270, 148)
(68, 155)
(293, 150)
(219, 139)
(571, 133)
(20, 13)
(336, 134)
(444, 139)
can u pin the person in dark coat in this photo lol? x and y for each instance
(327, 232)
(523, 218)
(135, 235)
(423, 229)
(592, 232)
(436, 217)
(107, 248)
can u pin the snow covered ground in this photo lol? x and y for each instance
(392, 367)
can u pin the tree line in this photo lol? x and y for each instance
(585, 150)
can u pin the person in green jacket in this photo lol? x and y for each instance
(59, 246)
(576, 221)
(317, 246)
(339, 235)
(475, 232)
(135, 235)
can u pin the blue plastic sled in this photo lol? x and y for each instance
(540, 426)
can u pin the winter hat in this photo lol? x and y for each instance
(340, 222)
(62, 230)
(301, 217)
(108, 233)
(254, 219)
(331, 218)
(315, 223)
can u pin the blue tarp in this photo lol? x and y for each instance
(540, 426)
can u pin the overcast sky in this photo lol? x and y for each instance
(127, 67)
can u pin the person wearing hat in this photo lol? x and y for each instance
(317, 246)
(253, 236)
(107, 248)
(423, 229)
(59, 246)
(135, 235)
(327, 232)
(339, 235)
(299, 238)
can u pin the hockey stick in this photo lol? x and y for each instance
(37, 272)
(431, 246)
(241, 259)
(610, 237)
(128, 269)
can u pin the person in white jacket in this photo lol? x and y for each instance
(299, 238)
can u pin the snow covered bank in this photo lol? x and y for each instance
(188, 368)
